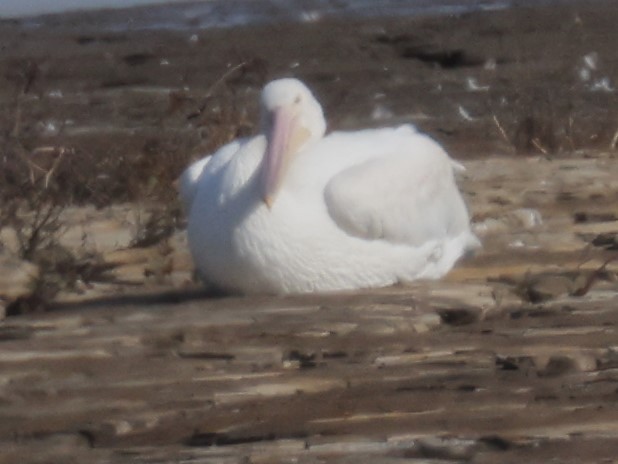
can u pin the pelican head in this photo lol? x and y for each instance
(292, 119)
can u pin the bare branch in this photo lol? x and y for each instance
(502, 131)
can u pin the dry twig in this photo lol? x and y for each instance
(593, 278)
(537, 144)
(614, 142)
(502, 131)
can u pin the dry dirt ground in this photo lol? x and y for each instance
(512, 358)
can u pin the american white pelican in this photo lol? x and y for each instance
(293, 211)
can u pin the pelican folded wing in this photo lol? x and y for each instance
(408, 196)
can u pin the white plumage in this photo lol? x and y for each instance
(292, 211)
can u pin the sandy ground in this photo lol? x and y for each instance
(512, 358)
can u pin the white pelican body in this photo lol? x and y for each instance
(350, 210)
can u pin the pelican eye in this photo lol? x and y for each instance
(297, 100)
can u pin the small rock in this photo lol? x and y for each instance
(608, 241)
(558, 365)
(546, 287)
(459, 316)
(518, 219)
(9, 241)
(585, 216)
(440, 448)
(17, 279)
(527, 218)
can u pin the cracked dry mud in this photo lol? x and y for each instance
(511, 358)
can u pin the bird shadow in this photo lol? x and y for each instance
(167, 297)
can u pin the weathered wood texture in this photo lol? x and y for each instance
(500, 362)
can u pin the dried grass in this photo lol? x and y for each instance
(38, 181)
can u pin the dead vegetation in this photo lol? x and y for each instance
(39, 180)
(549, 124)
